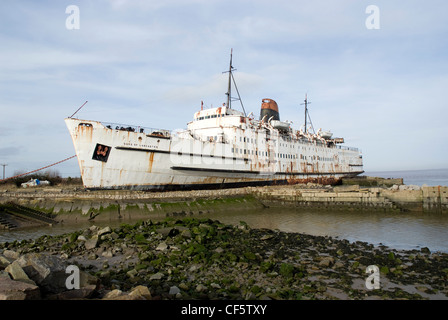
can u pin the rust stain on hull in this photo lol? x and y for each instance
(151, 161)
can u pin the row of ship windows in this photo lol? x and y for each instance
(252, 140)
(279, 155)
(244, 139)
(210, 116)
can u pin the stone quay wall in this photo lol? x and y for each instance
(396, 198)
(399, 198)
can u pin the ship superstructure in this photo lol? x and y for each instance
(221, 147)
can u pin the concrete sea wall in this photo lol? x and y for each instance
(74, 204)
(79, 205)
(402, 198)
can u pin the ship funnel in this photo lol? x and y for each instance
(269, 109)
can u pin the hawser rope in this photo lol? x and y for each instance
(23, 174)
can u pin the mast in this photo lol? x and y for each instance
(306, 109)
(229, 87)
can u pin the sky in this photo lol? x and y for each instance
(376, 77)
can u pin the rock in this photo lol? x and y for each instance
(326, 262)
(168, 231)
(140, 293)
(194, 267)
(87, 280)
(113, 294)
(219, 250)
(186, 234)
(107, 253)
(104, 231)
(91, 243)
(422, 288)
(174, 290)
(85, 292)
(18, 290)
(184, 286)
(3, 262)
(82, 238)
(132, 273)
(46, 271)
(201, 288)
(156, 276)
(11, 254)
(267, 237)
(49, 273)
(250, 296)
(17, 273)
(425, 250)
(92, 256)
(162, 246)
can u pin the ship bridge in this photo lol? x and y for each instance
(215, 118)
(216, 113)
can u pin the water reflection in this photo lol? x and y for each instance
(400, 231)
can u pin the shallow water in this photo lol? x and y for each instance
(400, 231)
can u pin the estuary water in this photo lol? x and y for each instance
(430, 177)
(399, 231)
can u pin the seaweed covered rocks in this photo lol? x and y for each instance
(205, 259)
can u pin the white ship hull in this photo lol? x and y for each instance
(222, 151)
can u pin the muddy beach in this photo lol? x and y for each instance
(194, 258)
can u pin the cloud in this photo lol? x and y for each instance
(8, 152)
(152, 62)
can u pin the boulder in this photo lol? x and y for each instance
(140, 293)
(156, 276)
(84, 292)
(91, 243)
(104, 231)
(174, 290)
(3, 262)
(46, 271)
(18, 290)
(16, 272)
(162, 246)
(49, 272)
(114, 294)
(326, 262)
(11, 254)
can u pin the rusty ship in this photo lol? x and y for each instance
(221, 147)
